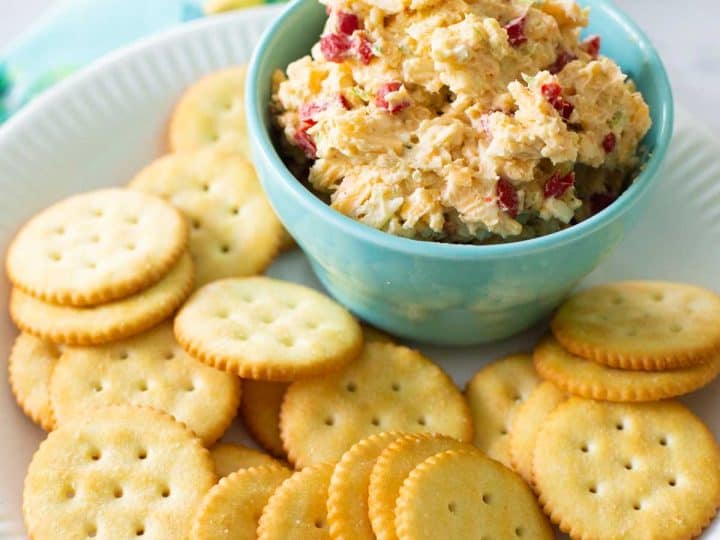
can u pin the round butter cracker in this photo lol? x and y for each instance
(230, 458)
(96, 247)
(260, 411)
(116, 472)
(388, 388)
(262, 328)
(233, 229)
(107, 322)
(464, 494)
(348, 492)
(30, 366)
(494, 394)
(527, 422)
(298, 508)
(592, 380)
(627, 470)
(152, 370)
(651, 325)
(392, 467)
(212, 112)
(233, 507)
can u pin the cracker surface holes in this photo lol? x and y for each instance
(203, 398)
(222, 244)
(245, 345)
(392, 467)
(65, 275)
(461, 475)
(649, 325)
(320, 419)
(494, 395)
(622, 487)
(105, 490)
(203, 118)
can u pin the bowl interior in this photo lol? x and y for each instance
(294, 33)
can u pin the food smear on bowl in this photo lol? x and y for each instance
(466, 122)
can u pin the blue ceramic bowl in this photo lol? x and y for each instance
(441, 293)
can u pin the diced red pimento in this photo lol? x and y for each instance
(609, 142)
(347, 23)
(558, 184)
(382, 93)
(600, 201)
(508, 200)
(306, 143)
(335, 47)
(516, 31)
(553, 93)
(591, 45)
(562, 60)
(485, 125)
(364, 50)
(308, 112)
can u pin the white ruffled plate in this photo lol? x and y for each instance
(102, 125)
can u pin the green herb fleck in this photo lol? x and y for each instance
(362, 94)
(529, 80)
(617, 120)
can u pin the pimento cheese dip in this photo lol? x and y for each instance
(458, 121)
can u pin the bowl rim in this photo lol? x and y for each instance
(264, 149)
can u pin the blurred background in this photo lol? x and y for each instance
(686, 33)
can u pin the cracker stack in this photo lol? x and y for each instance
(99, 267)
(606, 457)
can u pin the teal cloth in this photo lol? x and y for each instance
(72, 34)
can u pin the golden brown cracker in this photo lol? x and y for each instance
(229, 458)
(116, 472)
(348, 492)
(233, 229)
(150, 369)
(627, 470)
(651, 325)
(390, 470)
(388, 388)
(106, 322)
(96, 247)
(464, 494)
(232, 508)
(494, 394)
(298, 508)
(373, 335)
(527, 423)
(30, 366)
(589, 379)
(260, 411)
(212, 112)
(262, 328)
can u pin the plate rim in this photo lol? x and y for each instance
(109, 60)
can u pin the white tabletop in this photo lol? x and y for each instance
(687, 39)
